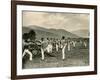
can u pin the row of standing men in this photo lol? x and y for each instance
(50, 45)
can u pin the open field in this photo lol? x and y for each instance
(75, 57)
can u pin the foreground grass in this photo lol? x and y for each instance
(75, 57)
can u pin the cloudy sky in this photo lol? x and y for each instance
(67, 21)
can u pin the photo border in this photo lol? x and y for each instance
(14, 39)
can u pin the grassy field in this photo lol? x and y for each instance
(75, 57)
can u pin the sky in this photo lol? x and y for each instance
(66, 21)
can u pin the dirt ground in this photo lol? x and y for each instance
(75, 57)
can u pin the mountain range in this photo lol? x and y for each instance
(51, 33)
(82, 33)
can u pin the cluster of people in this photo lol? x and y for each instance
(49, 45)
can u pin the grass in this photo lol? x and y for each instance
(75, 57)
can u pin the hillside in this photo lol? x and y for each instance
(51, 33)
(82, 33)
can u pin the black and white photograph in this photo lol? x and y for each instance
(53, 39)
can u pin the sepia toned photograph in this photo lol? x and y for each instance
(53, 39)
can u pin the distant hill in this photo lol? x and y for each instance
(82, 33)
(51, 33)
(39, 33)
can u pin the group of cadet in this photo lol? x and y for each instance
(51, 45)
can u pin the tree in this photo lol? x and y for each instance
(32, 35)
(25, 36)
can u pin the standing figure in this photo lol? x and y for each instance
(85, 44)
(27, 50)
(25, 46)
(57, 45)
(74, 43)
(42, 47)
(68, 45)
(63, 46)
(46, 46)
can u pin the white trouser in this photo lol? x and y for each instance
(49, 48)
(26, 51)
(68, 47)
(63, 52)
(85, 44)
(74, 44)
(42, 53)
(57, 47)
